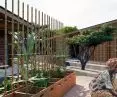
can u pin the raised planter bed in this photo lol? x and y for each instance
(57, 88)
(60, 87)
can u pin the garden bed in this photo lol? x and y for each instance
(57, 86)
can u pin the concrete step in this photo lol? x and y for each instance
(80, 72)
(89, 65)
(87, 69)
(92, 68)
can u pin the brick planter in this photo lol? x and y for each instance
(57, 88)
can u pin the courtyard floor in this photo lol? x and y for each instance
(81, 88)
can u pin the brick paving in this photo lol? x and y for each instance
(81, 88)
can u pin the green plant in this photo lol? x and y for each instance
(1, 88)
(40, 78)
(34, 72)
(6, 84)
(45, 73)
(59, 72)
(41, 82)
(27, 51)
(39, 73)
(85, 43)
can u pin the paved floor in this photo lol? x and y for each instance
(81, 88)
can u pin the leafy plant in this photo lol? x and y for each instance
(1, 88)
(59, 72)
(45, 73)
(5, 84)
(41, 78)
(41, 82)
(27, 50)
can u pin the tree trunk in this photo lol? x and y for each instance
(84, 55)
(83, 66)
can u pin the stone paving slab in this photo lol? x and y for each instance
(81, 88)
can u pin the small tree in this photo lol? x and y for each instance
(87, 41)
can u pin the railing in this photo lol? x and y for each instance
(29, 43)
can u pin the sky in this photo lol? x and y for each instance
(80, 13)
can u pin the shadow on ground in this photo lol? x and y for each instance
(78, 91)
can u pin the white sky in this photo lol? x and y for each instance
(80, 13)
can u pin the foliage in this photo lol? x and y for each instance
(25, 45)
(28, 45)
(41, 82)
(27, 50)
(88, 40)
(41, 78)
(67, 30)
(59, 72)
(39, 73)
(94, 38)
(6, 83)
(1, 88)
(45, 73)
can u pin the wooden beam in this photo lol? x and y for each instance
(9, 14)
